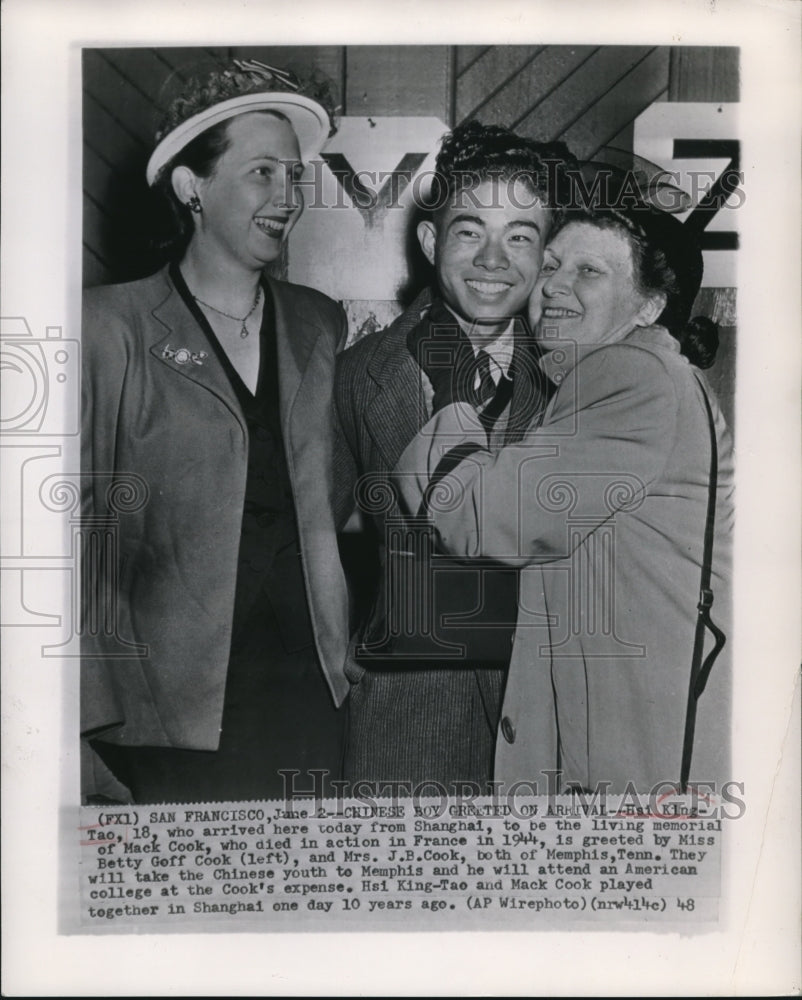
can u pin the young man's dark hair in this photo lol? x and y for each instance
(473, 153)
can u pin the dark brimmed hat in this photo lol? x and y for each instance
(624, 185)
(680, 245)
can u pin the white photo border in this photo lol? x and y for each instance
(757, 949)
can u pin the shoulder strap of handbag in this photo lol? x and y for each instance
(447, 464)
(700, 670)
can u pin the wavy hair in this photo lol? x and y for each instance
(473, 153)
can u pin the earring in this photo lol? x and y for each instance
(194, 205)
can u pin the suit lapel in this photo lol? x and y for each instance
(398, 410)
(295, 342)
(305, 370)
(186, 351)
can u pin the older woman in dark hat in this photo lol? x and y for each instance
(618, 511)
(214, 636)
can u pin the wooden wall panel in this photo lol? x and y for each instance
(96, 219)
(514, 102)
(130, 106)
(704, 74)
(108, 134)
(121, 110)
(565, 104)
(605, 119)
(398, 80)
(95, 271)
(488, 75)
(464, 55)
(147, 69)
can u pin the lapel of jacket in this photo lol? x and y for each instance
(306, 380)
(295, 341)
(398, 410)
(186, 351)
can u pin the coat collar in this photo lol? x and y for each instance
(185, 349)
(391, 357)
(398, 411)
(557, 363)
(296, 337)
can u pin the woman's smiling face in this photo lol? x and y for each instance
(587, 290)
(251, 200)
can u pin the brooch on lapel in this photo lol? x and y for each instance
(182, 356)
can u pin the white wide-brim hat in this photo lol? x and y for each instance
(308, 119)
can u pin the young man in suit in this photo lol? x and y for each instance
(493, 198)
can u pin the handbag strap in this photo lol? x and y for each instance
(700, 670)
(447, 464)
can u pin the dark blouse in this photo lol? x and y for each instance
(269, 550)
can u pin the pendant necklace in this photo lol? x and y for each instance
(244, 331)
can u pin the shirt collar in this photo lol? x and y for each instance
(499, 350)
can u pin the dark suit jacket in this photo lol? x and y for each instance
(172, 428)
(430, 724)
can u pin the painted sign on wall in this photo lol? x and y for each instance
(697, 144)
(352, 239)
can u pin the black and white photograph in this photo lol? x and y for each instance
(401, 509)
(227, 456)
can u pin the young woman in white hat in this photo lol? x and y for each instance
(215, 623)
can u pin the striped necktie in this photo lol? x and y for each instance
(484, 386)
